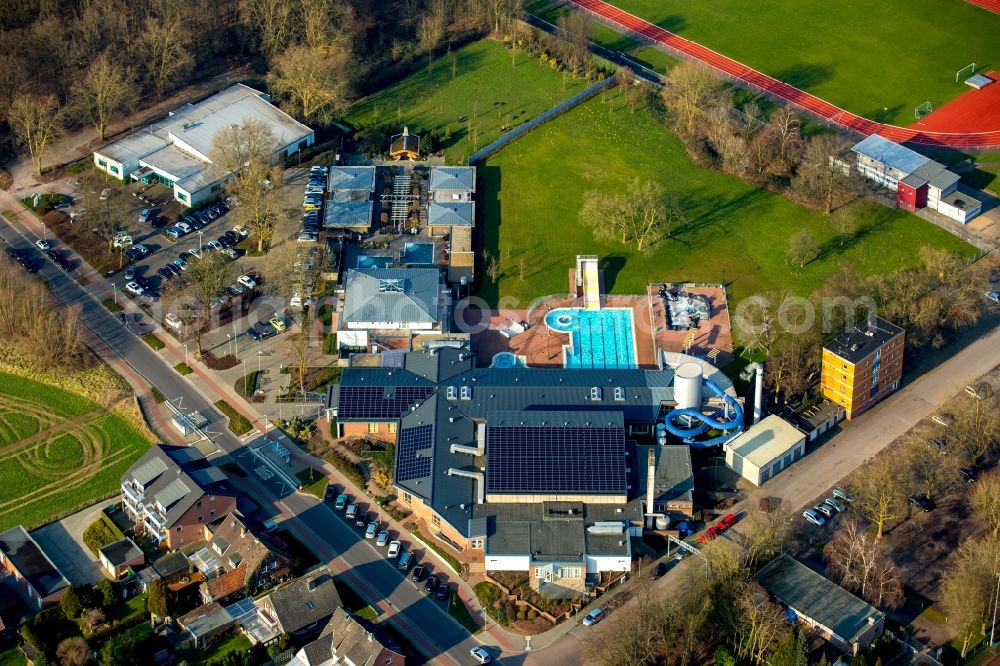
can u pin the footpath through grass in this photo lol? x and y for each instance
(532, 191)
(60, 451)
(877, 59)
(487, 91)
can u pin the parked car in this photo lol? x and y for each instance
(814, 517)
(195, 252)
(835, 504)
(241, 231)
(165, 274)
(144, 215)
(180, 264)
(341, 502)
(371, 530)
(922, 502)
(728, 521)
(247, 281)
(43, 245)
(417, 574)
(709, 534)
(393, 550)
(382, 539)
(943, 420)
(968, 474)
(133, 288)
(352, 511)
(173, 321)
(443, 591)
(278, 323)
(824, 509)
(430, 584)
(842, 495)
(405, 560)
(173, 233)
(214, 245)
(658, 570)
(105, 193)
(330, 495)
(185, 227)
(593, 617)
(480, 655)
(361, 520)
(130, 273)
(938, 445)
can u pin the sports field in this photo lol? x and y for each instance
(58, 450)
(876, 59)
(488, 91)
(533, 189)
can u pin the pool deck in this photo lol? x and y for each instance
(543, 347)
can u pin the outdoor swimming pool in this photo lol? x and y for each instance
(598, 338)
(418, 253)
(506, 360)
(373, 261)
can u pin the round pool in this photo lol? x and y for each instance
(560, 320)
(505, 360)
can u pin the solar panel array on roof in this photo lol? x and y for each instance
(414, 460)
(555, 460)
(376, 402)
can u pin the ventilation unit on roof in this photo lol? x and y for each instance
(389, 286)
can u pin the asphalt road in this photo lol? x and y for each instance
(422, 620)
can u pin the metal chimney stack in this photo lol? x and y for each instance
(758, 398)
(650, 479)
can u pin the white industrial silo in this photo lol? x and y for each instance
(687, 386)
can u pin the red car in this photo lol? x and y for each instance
(709, 534)
(728, 521)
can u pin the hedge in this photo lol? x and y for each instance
(100, 533)
(442, 553)
(238, 424)
(349, 468)
(153, 341)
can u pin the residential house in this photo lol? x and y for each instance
(178, 150)
(169, 568)
(863, 366)
(349, 641)
(817, 602)
(301, 606)
(237, 560)
(206, 624)
(171, 492)
(37, 576)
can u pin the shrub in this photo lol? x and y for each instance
(238, 424)
(6, 180)
(54, 218)
(521, 615)
(532, 615)
(153, 341)
(158, 395)
(183, 368)
(349, 468)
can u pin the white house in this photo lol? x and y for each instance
(765, 449)
(176, 150)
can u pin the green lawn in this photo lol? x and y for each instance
(486, 89)
(60, 451)
(12, 657)
(234, 644)
(877, 59)
(532, 191)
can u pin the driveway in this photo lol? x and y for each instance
(62, 541)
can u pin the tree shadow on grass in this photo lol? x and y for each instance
(611, 265)
(673, 23)
(489, 215)
(806, 75)
(703, 211)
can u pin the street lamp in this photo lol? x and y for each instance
(200, 234)
(229, 344)
(185, 354)
(995, 601)
(258, 362)
(114, 290)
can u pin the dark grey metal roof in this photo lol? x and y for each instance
(121, 551)
(25, 555)
(404, 295)
(451, 213)
(305, 600)
(821, 600)
(673, 480)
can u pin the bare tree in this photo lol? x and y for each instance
(205, 280)
(632, 638)
(690, 90)
(760, 623)
(106, 90)
(312, 81)
(37, 123)
(493, 269)
(106, 215)
(825, 176)
(845, 223)
(574, 28)
(878, 492)
(432, 25)
(802, 247)
(499, 15)
(756, 324)
(325, 24)
(976, 426)
(725, 138)
(165, 47)
(273, 21)
(762, 536)
(235, 147)
(967, 587)
(302, 348)
(74, 651)
(985, 499)
(636, 217)
(929, 470)
(791, 363)
(855, 559)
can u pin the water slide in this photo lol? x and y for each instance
(690, 423)
(588, 275)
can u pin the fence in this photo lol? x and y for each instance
(540, 119)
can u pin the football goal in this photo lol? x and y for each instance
(968, 70)
(922, 110)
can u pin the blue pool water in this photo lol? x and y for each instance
(418, 253)
(373, 261)
(599, 338)
(506, 360)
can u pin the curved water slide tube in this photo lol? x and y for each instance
(698, 423)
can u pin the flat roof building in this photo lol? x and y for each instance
(765, 449)
(177, 151)
(350, 204)
(120, 556)
(863, 365)
(842, 618)
(36, 575)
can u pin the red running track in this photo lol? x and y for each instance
(988, 5)
(809, 103)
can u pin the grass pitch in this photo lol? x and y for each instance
(532, 190)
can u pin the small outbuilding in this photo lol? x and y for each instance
(118, 557)
(404, 146)
(765, 449)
